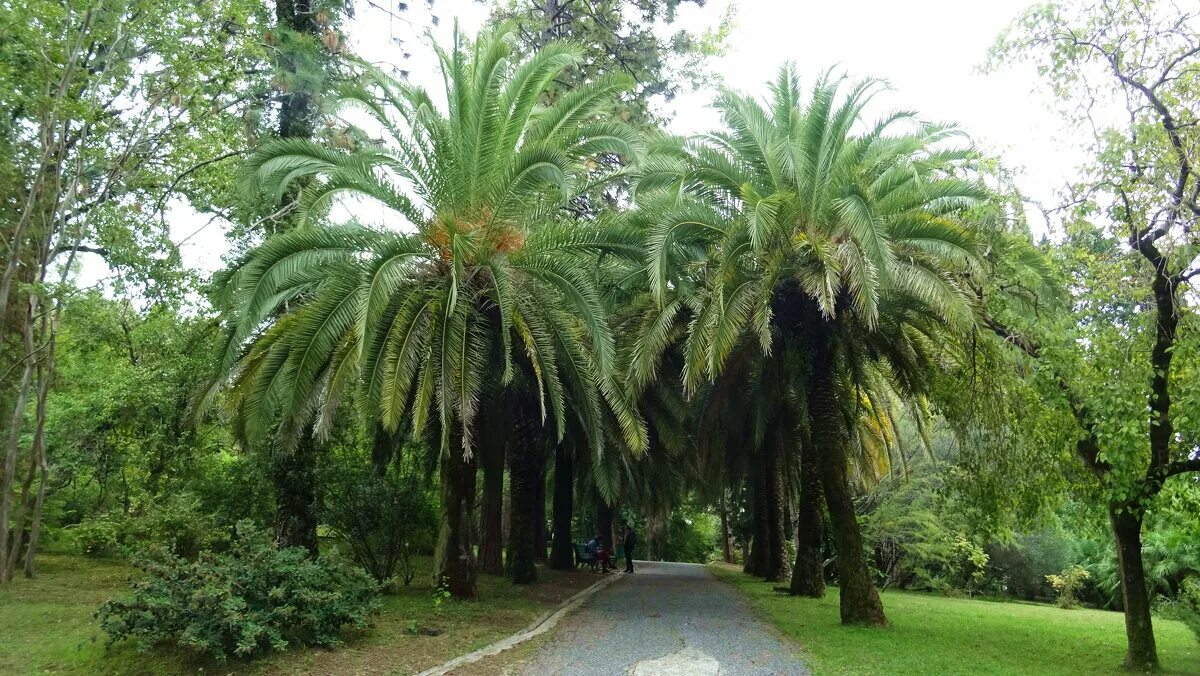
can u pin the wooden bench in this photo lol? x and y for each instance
(583, 556)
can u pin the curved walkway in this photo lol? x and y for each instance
(668, 618)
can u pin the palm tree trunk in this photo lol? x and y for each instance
(860, 602)
(726, 543)
(523, 476)
(1142, 654)
(808, 576)
(775, 568)
(294, 476)
(491, 508)
(454, 560)
(604, 523)
(756, 562)
(539, 510)
(562, 553)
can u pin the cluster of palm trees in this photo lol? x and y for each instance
(754, 305)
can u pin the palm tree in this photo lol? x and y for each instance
(476, 290)
(799, 223)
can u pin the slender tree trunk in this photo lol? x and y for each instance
(295, 480)
(562, 555)
(604, 523)
(12, 446)
(808, 575)
(775, 568)
(756, 562)
(539, 511)
(860, 602)
(1127, 528)
(726, 544)
(454, 560)
(491, 516)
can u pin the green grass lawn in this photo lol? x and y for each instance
(933, 634)
(46, 626)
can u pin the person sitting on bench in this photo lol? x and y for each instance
(596, 548)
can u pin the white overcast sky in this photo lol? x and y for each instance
(928, 50)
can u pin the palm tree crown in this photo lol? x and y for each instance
(477, 284)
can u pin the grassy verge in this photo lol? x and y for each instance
(935, 634)
(48, 626)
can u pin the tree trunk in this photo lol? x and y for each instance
(539, 511)
(294, 476)
(562, 554)
(808, 576)
(454, 560)
(491, 516)
(860, 602)
(756, 562)
(726, 544)
(523, 476)
(1142, 654)
(775, 564)
(604, 523)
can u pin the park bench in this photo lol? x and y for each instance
(583, 556)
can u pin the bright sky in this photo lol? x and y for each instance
(928, 50)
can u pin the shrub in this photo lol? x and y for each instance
(968, 565)
(178, 525)
(99, 537)
(255, 598)
(384, 520)
(1185, 607)
(1067, 584)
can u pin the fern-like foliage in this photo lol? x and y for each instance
(471, 284)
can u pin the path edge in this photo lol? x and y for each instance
(544, 623)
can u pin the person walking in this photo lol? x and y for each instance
(630, 543)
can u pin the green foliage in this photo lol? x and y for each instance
(486, 289)
(99, 536)
(1185, 607)
(688, 534)
(1067, 584)
(176, 524)
(386, 520)
(635, 35)
(253, 599)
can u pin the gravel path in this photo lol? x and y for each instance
(668, 618)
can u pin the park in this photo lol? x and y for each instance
(615, 337)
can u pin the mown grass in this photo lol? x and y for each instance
(47, 626)
(934, 634)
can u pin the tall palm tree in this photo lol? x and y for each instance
(799, 222)
(474, 288)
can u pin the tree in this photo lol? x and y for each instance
(109, 109)
(306, 43)
(850, 246)
(485, 295)
(630, 35)
(1132, 220)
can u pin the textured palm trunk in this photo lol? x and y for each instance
(454, 560)
(808, 575)
(491, 507)
(294, 476)
(1142, 653)
(860, 602)
(756, 562)
(562, 553)
(539, 511)
(726, 543)
(775, 564)
(523, 476)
